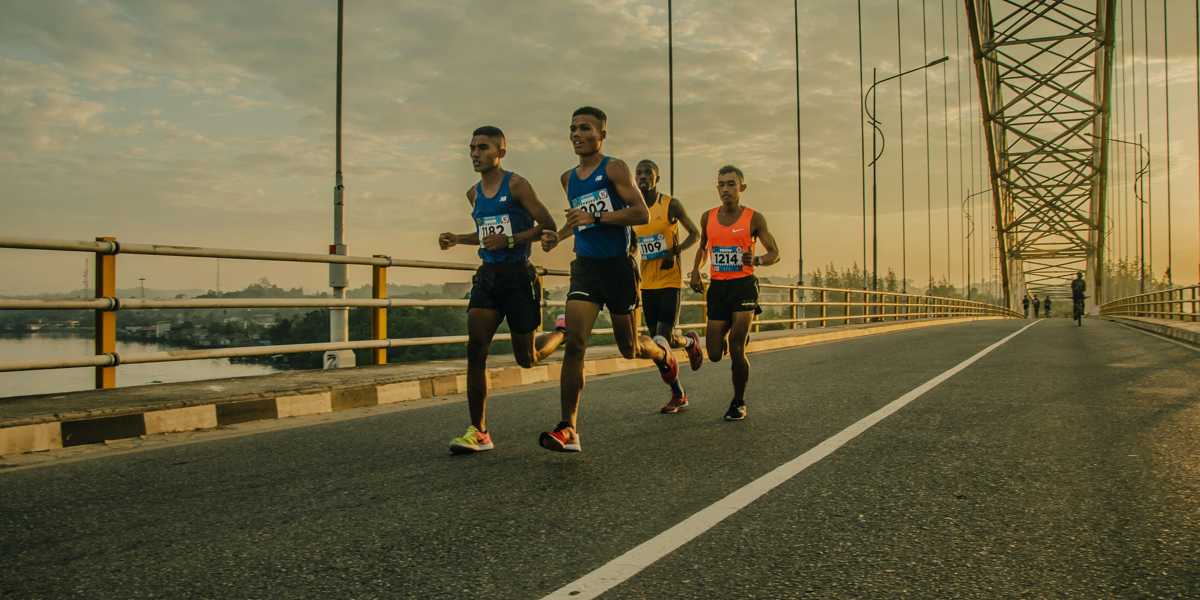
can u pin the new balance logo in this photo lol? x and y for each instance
(504, 198)
(599, 178)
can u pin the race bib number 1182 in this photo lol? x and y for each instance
(494, 225)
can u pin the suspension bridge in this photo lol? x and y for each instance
(899, 442)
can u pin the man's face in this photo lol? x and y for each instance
(730, 188)
(587, 134)
(486, 152)
(646, 176)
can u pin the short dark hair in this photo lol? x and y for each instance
(591, 111)
(653, 165)
(727, 169)
(488, 130)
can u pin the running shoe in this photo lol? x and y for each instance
(564, 438)
(694, 352)
(560, 322)
(671, 373)
(736, 412)
(676, 405)
(471, 442)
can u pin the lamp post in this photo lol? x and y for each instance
(877, 152)
(1139, 186)
(339, 321)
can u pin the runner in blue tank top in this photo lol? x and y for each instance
(604, 203)
(508, 217)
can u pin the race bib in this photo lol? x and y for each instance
(652, 246)
(494, 225)
(727, 259)
(594, 203)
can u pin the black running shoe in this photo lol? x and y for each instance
(736, 412)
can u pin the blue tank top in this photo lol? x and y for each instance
(597, 195)
(500, 214)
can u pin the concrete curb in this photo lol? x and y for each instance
(55, 431)
(1161, 327)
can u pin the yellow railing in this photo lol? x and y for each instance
(1175, 304)
(832, 306)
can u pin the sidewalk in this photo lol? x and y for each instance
(1184, 331)
(53, 421)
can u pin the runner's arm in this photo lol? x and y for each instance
(701, 254)
(635, 211)
(758, 228)
(448, 239)
(523, 192)
(676, 212)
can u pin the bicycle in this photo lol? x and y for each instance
(1077, 311)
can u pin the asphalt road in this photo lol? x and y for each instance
(1064, 463)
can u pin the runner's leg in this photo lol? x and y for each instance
(714, 339)
(738, 332)
(481, 327)
(581, 317)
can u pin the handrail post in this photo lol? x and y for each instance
(379, 314)
(824, 308)
(1196, 302)
(795, 309)
(106, 320)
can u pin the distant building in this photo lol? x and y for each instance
(456, 289)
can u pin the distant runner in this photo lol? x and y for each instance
(508, 217)
(727, 237)
(661, 275)
(605, 203)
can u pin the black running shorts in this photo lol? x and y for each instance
(727, 296)
(660, 306)
(610, 282)
(511, 289)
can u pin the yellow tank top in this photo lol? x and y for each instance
(655, 240)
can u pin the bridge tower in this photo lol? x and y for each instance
(1044, 71)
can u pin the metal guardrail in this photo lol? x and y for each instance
(831, 305)
(1175, 304)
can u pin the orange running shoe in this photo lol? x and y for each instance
(677, 404)
(564, 438)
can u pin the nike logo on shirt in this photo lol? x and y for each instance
(736, 230)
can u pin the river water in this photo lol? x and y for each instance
(50, 346)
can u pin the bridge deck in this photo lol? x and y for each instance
(1062, 463)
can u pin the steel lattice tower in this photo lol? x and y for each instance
(1044, 68)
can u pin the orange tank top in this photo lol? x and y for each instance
(727, 245)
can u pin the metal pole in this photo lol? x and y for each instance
(928, 169)
(862, 146)
(1146, 81)
(1196, 30)
(671, 96)
(903, 187)
(1167, 138)
(1141, 183)
(799, 148)
(946, 137)
(339, 329)
(874, 190)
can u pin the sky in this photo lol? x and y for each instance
(212, 124)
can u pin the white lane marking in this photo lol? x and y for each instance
(1163, 338)
(636, 560)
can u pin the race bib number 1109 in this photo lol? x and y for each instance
(652, 246)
